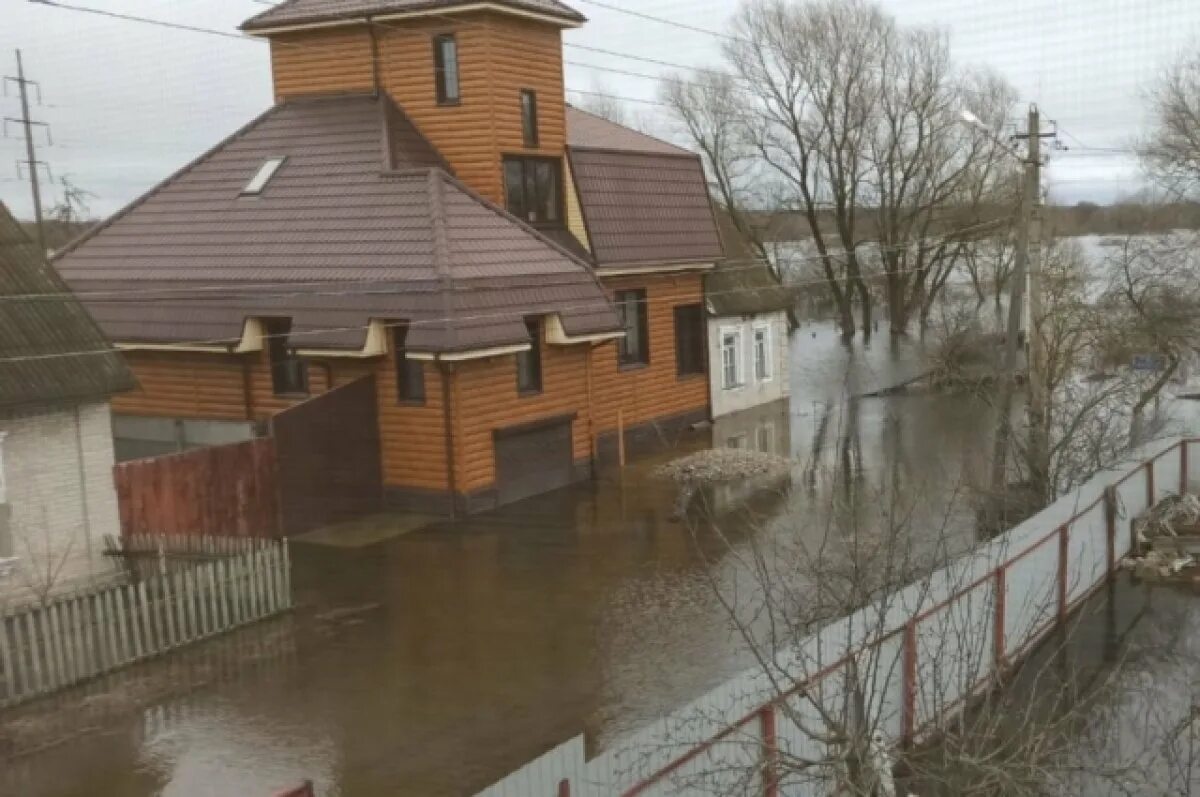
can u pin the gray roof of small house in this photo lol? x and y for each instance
(51, 351)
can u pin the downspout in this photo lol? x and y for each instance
(447, 371)
(247, 388)
(84, 505)
(592, 454)
(375, 81)
(327, 366)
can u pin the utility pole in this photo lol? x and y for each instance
(30, 151)
(1026, 267)
(1039, 444)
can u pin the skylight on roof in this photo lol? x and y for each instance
(264, 174)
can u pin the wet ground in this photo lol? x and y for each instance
(432, 662)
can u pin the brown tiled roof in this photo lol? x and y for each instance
(50, 349)
(595, 132)
(305, 12)
(644, 201)
(333, 241)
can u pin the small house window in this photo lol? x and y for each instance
(737, 441)
(263, 176)
(410, 374)
(689, 340)
(6, 540)
(762, 353)
(731, 360)
(531, 187)
(529, 117)
(766, 438)
(289, 372)
(634, 348)
(445, 68)
(529, 363)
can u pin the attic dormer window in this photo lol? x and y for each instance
(263, 176)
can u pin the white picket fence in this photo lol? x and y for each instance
(914, 658)
(79, 635)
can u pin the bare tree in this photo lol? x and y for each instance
(1171, 155)
(854, 123)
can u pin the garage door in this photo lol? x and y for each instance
(532, 459)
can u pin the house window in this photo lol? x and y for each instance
(762, 353)
(736, 441)
(634, 348)
(529, 363)
(731, 358)
(289, 372)
(766, 438)
(445, 68)
(529, 117)
(689, 340)
(531, 187)
(410, 374)
(263, 176)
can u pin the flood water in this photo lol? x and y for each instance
(434, 662)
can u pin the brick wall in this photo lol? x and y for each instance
(58, 511)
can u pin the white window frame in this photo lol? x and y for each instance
(736, 442)
(739, 377)
(6, 563)
(768, 373)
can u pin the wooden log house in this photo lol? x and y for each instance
(421, 204)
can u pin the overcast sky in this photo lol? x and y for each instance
(129, 103)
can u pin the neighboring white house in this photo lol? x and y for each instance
(57, 498)
(747, 337)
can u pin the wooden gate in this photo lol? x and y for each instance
(327, 455)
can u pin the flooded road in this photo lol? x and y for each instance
(433, 662)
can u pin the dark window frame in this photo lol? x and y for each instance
(529, 119)
(410, 374)
(441, 73)
(526, 161)
(624, 300)
(691, 356)
(529, 363)
(289, 371)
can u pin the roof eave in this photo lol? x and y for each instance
(317, 22)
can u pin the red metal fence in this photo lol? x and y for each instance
(228, 490)
(1008, 609)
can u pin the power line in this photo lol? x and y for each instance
(593, 305)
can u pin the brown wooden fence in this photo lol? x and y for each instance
(229, 490)
(320, 465)
(328, 457)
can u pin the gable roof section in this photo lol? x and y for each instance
(645, 202)
(334, 241)
(316, 12)
(595, 132)
(50, 349)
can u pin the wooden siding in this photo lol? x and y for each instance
(210, 387)
(654, 391)
(486, 399)
(323, 61)
(498, 56)
(574, 209)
